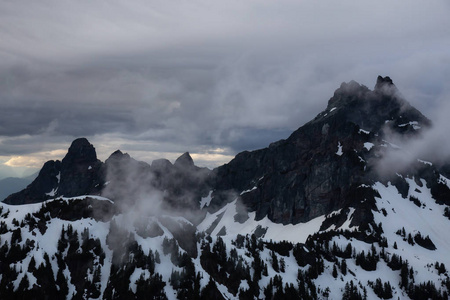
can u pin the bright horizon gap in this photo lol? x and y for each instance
(34, 162)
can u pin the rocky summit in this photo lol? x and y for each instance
(321, 166)
(331, 212)
(79, 173)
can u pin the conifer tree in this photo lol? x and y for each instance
(334, 273)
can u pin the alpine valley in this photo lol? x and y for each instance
(341, 209)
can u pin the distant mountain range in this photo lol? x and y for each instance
(332, 212)
(10, 185)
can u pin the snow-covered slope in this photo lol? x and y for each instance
(295, 254)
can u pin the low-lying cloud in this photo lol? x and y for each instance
(430, 145)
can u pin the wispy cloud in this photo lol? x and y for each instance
(431, 145)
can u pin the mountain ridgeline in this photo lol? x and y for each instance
(320, 168)
(328, 213)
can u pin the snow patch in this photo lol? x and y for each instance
(84, 197)
(368, 146)
(414, 124)
(425, 162)
(444, 180)
(248, 191)
(204, 202)
(364, 131)
(339, 151)
(52, 193)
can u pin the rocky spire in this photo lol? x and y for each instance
(79, 170)
(383, 81)
(79, 173)
(185, 160)
(80, 151)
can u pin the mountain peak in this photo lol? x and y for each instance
(185, 160)
(385, 86)
(79, 170)
(80, 151)
(117, 156)
(79, 143)
(350, 86)
(356, 90)
(383, 81)
(370, 109)
(347, 93)
(117, 152)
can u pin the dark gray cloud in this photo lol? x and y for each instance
(199, 76)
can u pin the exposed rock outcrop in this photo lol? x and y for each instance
(80, 170)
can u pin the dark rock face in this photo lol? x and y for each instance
(80, 151)
(184, 161)
(299, 178)
(80, 170)
(315, 170)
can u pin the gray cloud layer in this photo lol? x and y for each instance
(200, 75)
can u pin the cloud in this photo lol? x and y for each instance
(7, 171)
(431, 145)
(169, 77)
(35, 160)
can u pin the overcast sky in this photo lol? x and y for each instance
(158, 78)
